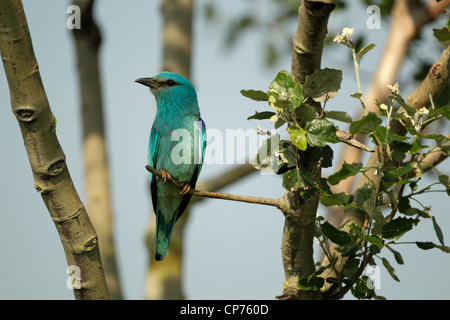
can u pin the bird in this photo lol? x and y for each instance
(176, 148)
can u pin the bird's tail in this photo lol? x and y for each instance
(163, 234)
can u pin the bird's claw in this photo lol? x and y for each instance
(184, 188)
(165, 176)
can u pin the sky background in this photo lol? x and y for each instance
(232, 250)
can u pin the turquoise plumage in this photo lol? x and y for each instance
(176, 146)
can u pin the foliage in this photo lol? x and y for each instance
(389, 198)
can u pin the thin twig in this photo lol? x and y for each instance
(218, 195)
(347, 138)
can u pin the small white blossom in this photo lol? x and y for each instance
(262, 132)
(345, 37)
(393, 90)
(423, 111)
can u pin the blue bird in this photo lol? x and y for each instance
(176, 148)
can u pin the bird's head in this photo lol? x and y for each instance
(169, 85)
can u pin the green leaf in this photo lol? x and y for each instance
(444, 111)
(339, 116)
(311, 283)
(256, 95)
(283, 81)
(444, 144)
(390, 269)
(297, 177)
(397, 227)
(262, 115)
(280, 121)
(438, 231)
(398, 257)
(391, 175)
(320, 132)
(425, 245)
(403, 205)
(350, 267)
(347, 170)
(287, 154)
(339, 237)
(323, 155)
(284, 93)
(305, 113)
(444, 180)
(336, 199)
(366, 125)
(356, 95)
(365, 199)
(443, 35)
(298, 136)
(430, 245)
(416, 147)
(322, 84)
(371, 239)
(364, 50)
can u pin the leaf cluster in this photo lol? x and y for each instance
(388, 201)
(308, 128)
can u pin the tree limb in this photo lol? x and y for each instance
(48, 163)
(218, 195)
(298, 233)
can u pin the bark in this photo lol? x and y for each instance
(48, 163)
(298, 232)
(87, 42)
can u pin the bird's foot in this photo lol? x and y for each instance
(184, 188)
(164, 176)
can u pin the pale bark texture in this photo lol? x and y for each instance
(48, 163)
(96, 170)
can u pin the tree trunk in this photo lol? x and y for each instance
(51, 176)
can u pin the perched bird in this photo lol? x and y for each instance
(176, 148)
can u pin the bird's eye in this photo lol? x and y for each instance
(170, 82)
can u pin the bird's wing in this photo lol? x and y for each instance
(200, 146)
(153, 147)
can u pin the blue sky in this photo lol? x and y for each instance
(232, 250)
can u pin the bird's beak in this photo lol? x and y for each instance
(149, 82)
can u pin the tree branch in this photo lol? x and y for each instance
(48, 163)
(298, 233)
(218, 195)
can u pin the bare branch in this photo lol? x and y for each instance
(218, 195)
